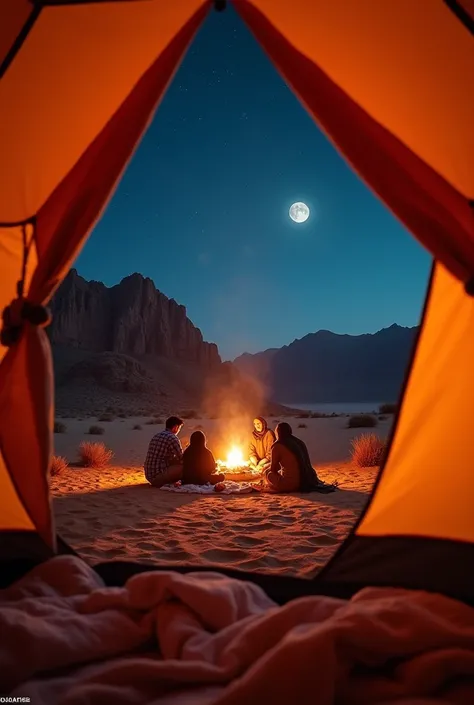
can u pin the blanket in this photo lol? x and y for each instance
(205, 639)
(230, 487)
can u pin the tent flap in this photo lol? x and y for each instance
(418, 164)
(420, 514)
(62, 225)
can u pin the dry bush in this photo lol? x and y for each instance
(368, 450)
(304, 415)
(137, 427)
(106, 417)
(94, 455)
(362, 421)
(154, 422)
(60, 427)
(387, 408)
(302, 425)
(58, 465)
(96, 431)
(189, 414)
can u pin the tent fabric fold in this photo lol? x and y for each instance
(388, 82)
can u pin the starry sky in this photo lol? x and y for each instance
(203, 211)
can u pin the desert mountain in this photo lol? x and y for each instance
(132, 318)
(125, 346)
(129, 348)
(327, 367)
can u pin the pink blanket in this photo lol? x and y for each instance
(170, 639)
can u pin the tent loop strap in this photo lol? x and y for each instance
(20, 310)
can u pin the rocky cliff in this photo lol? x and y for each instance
(132, 318)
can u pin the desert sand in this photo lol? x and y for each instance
(114, 513)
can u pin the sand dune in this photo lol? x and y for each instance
(113, 513)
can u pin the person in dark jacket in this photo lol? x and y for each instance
(199, 465)
(260, 445)
(291, 469)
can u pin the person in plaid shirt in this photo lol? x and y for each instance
(164, 460)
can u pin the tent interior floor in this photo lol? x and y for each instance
(412, 563)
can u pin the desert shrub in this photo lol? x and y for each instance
(106, 417)
(382, 418)
(94, 455)
(368, 450)
(58, 465)
(122, 415)
(302, 425)
(96, 431)
(60, 427)
(154, 422)
(189, 414)
(387, 408)
(304, 415)
(137, 427)
(362, 421)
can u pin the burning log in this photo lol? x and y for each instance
(235, 464)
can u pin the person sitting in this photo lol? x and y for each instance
(164, 459)
(199, 465)
(260, 445)
(291, 469)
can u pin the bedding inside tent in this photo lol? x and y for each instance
(388, 83)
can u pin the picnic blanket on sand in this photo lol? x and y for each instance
(203, 638)
(230, 487)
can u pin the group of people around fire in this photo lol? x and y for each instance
(281, 458)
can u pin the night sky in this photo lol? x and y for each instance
(203, 211)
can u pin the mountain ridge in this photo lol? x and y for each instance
(329, 367)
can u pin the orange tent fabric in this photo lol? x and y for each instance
(57, 187)
(389, 82)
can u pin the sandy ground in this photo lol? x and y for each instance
(114, 513)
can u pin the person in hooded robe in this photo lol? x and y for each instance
(290, 468)
(260, 448)
(199, 465)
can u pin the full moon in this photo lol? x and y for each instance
(299, 212)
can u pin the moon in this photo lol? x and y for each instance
(299, 212)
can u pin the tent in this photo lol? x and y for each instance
(390, 83)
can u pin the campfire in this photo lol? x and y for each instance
(235, 461)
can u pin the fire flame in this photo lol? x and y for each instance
(235, 459)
